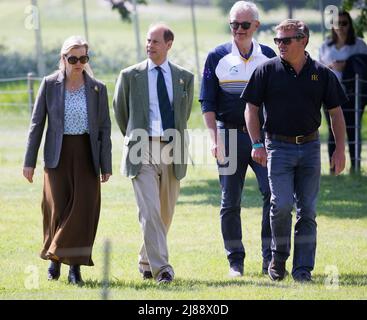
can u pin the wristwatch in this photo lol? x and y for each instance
(258, 144)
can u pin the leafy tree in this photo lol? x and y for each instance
(267, 5)
(124, 7)
(360, 23)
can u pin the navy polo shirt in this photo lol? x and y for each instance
(293, 102)
(226, 74)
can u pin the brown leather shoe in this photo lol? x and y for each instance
(164, 277)
(147, 275)
(276, 270)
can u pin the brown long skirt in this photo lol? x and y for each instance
(71, 204)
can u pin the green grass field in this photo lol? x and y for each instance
(195, 243)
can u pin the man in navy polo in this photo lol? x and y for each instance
(227, 70)
(292, 88)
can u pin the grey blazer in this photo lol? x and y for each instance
(131, 107)
(50, 103)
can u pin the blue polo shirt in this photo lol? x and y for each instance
(226, 74)
(293, 101)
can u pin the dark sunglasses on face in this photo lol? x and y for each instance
(245, 25)
(74, 59)
(287, 40)
(343, 23)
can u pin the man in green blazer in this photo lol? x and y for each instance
(152, 104)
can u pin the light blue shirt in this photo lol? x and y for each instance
(155, 123)
(330, 54)
(75, 115)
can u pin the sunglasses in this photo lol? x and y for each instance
(287, 40)
(74, 59)
(343, 23)
(244, 25)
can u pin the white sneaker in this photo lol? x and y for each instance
(235, 271)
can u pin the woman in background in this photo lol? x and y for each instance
(334, 52)
(77, 157)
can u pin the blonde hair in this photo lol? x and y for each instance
(72, 43)
(243, 6)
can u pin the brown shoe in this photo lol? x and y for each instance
(147, 275)
(276, 270)
(164, 277)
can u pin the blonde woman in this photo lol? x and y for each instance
(77, 157)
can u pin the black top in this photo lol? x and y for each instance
(292, 102)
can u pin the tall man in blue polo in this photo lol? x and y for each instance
(292, 88)
(227, 70)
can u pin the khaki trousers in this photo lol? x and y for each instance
(156, 191)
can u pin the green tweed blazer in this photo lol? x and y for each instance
(131, 108)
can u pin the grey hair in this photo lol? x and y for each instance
(292, 24)
(244, 6)
(296, 25)
(72, 43)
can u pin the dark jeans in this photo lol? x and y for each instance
(232, 186)
(350, 122)
(294, 177)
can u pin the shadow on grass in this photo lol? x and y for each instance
(340, 197)
(343, 196)
(208, 192)
(179, 284)
(201, 192)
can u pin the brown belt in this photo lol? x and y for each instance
(228, 125)
(160, 139)
(157, 138)
(296, 140)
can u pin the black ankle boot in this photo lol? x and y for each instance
(74, 275)
(53, 272)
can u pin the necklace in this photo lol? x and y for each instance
(73, 86)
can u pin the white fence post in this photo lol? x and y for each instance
(106, 269)
(30, 82)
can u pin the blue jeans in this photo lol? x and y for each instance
(232, 187)
(294, 177)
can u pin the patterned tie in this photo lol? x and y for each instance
(165, 107)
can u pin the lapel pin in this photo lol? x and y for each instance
(181, 81)
(96, 88)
